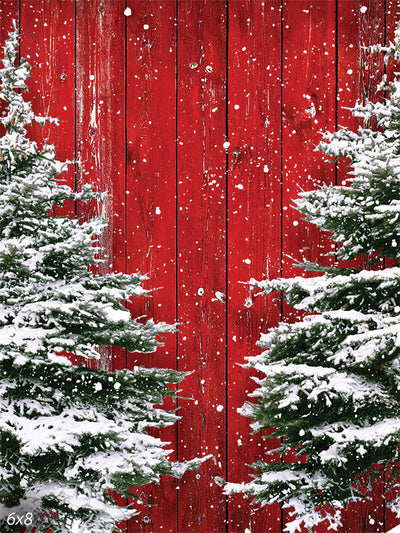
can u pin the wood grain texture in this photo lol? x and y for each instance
(100, 115)
(100, 102)
(157, 93)
(254, 228)
(308, 108)
(201, 262)
(51, 84)
(100, 127)
(151, 207)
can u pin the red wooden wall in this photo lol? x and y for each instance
(148, 103)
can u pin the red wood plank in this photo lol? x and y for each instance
(253, 195)
(308, 107)
(8, 13)
(48, 42)
(254, 230)
(100, 106)
(360, 24)
(151, 206)
(100, 131)
(202, 258)
(100, 82)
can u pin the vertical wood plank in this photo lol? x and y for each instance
(202, 258)
(143, 208)
(308, 107)
(254, 228)
(8, 13)
(100, 132)
(151, 207)
(100, 82)
(360, 24)
(100, 106)
(48, 42)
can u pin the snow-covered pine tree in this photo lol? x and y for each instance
(69, 434)
(332, 380)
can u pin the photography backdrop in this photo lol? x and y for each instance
(148, 99)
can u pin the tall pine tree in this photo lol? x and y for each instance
(332, 380)
(68, 434)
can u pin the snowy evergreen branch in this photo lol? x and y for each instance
(331, 381)
(69, 434)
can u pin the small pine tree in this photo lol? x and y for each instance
(69, 434)
(332, 380)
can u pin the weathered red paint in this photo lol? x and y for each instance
(52, 77)
(308, 107)
(201, 261)
(254, 202)
(146, 102)
(150, 205)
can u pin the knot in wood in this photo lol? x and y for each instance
(309, 112)
(63, 76)
(239, 153)
(146, 519)
(92, 132)
(236, 153)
